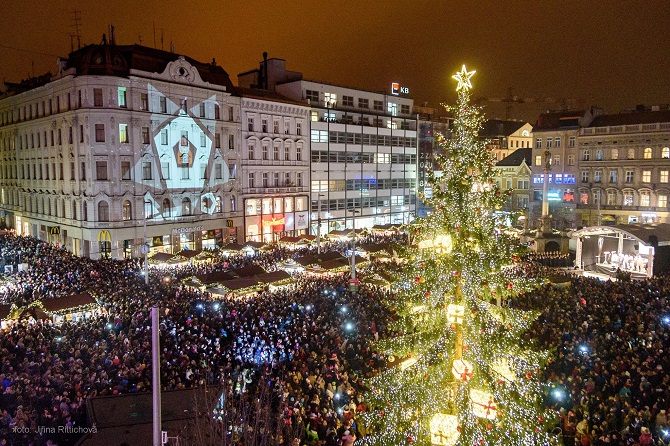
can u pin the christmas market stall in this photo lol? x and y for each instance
(74, 307)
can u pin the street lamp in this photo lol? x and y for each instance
(318, 223)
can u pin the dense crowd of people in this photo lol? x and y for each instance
(309, 345)
(610, 341)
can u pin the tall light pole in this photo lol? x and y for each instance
(353, 243)
(318, 223)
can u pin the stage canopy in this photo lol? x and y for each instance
(641, 250)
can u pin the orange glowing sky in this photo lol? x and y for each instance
(611, 54)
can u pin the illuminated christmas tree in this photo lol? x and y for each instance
(460, 373)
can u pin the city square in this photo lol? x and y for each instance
(186, 259)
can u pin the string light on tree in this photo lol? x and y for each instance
(470, 364)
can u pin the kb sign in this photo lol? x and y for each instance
(397, 90)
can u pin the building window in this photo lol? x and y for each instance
(287, 127)
(99, 133)
(202, 110)
(330, 99)
(363, 103)
(586, 155)
(378, 105)
(232, 171)
(312, 96)
(146, 170)
(164, 137)
(276, 179)
(298, 128)
(184, 138)
(298, 179)
(97, 97)
(538, 160)
(250, 154)
(186, 206)
(145, 135)
(165, 170)
(556, 160)
(265, 152)
(571, 160)
(538, 143)
(275, 153)
(163, 104)
(647, 153)
(663, 178)
(265, 180)
(614, 154)
(628, 198)
(629, 176)
(298, 153)
(217, 111)
(203, 139)
(584, 198)
(596, 196)
(646, 176)
(631, 154)
(597, 176)
(275, 125)
(549, 143)
(662, 201)
(287, 153)
(392, 108)
(101, 170)
(123, 133)
(614, 174)
(125, 170)
(218, 171)
(122, 97)
(611, 198)
(217, 140)
(231, 114)
(585, 176)
(557, 141)
(599, 155)
(571, 141)
(348, 101)
(252, 180)
(645, 198)
(103, 211)
(127, 212)
(231, 142)
(185, 173)
(144, 101)
(166, 210)
(665, 152)
(404, 109)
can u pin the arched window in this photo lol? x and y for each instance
(103, 211)
(127, 211)
(233, 204)
(166, 209)
(84, 211)
(186, 206)
(647, 153)
(665, 152)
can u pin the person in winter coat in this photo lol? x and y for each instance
(645, 437)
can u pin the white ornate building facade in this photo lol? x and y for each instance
(124, 144)
(275, 165)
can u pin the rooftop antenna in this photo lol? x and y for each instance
(76, 19)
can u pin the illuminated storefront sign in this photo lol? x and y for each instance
(187, 230)
(274, 222)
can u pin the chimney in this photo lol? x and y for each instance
(265, 70)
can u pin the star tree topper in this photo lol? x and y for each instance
(463, 78)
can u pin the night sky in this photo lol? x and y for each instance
(611, 54)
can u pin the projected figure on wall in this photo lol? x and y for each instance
(183, 167)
